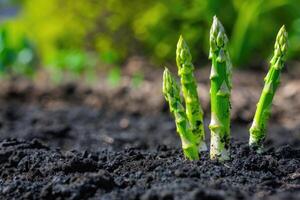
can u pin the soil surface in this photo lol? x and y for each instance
(31, 170)
(74, 142)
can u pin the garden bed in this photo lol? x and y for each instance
(75, 142)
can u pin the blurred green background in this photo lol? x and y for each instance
(81, 35)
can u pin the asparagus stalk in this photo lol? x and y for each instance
(193, 108)
(272, 81)
(171, 92)
(220, 79)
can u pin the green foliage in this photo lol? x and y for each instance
(7, 54)
(26, 59)
(254, 25)
(18, 58)
(116, 29)
(71, 60)
(101, 26)
(114, 76)
(137, 79)
(72, 64)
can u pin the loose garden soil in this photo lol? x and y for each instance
(75, 143)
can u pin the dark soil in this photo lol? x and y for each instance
(31, 170)
(75, 143)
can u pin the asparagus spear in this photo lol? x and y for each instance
(221, 72)
(193, 108)
(171, 92)
(272, 81)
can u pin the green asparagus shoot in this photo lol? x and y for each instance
(193, 108)
(189, 119)
(171, 92)
(272, 81)
(220, 90)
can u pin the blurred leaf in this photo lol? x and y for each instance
(253, 26)
(114, 76)
(109, 57)
(137, 79)
(118, 29)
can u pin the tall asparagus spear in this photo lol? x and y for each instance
(171, 92)
(272, 80)
(220, 91)
(193, 107)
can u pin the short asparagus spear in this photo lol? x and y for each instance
(220, 91)
(272, 80)
(171, 92)
(193, 108)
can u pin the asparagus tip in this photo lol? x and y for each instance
(180, 38)
(183, 54)
(280, 48)
(180, 41)
(182, 45)
(169, 83)
(218, 38)
(216, 21)
(281, 41)
(166, 69)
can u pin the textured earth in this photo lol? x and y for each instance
(31, 170)
(75, 143)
